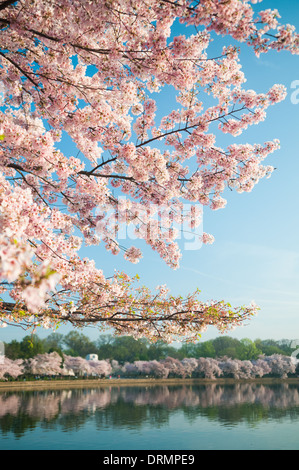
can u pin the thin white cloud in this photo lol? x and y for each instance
(271, 271)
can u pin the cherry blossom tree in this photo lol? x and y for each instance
(100, 368)
(50, 364)
(208, 368)
(45, 364)
(261, 367)
(146, 368)
(12, 368)
(116, 367)
(238, 369)
(159, 370)
(78, 365)
(174, 366)
(280, 365)
(190, 365)
(91, 71)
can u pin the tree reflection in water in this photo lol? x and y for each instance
(135, 407)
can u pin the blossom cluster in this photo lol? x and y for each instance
(210, 368)
(51, 364)
(90, 72)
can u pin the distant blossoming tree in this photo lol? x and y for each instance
(281, 365)
(261, 367)
(90, 71)
(208, 368)
(100, 368)
(11, 368)
(81, 366)
(190, 364)
(45, 364)
(78, 365)
(50, 364)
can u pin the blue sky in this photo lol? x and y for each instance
(255, 255)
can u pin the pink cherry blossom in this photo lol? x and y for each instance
(92, 77)
(12, 368)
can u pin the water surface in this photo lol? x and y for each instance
(214, 416)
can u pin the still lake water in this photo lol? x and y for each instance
(214, 416)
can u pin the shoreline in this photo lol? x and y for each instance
(100, 383)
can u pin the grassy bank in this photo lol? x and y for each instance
(98, 383)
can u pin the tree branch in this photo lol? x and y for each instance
(6, 4)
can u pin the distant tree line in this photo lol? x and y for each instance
(52, 365)
(127, 349)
